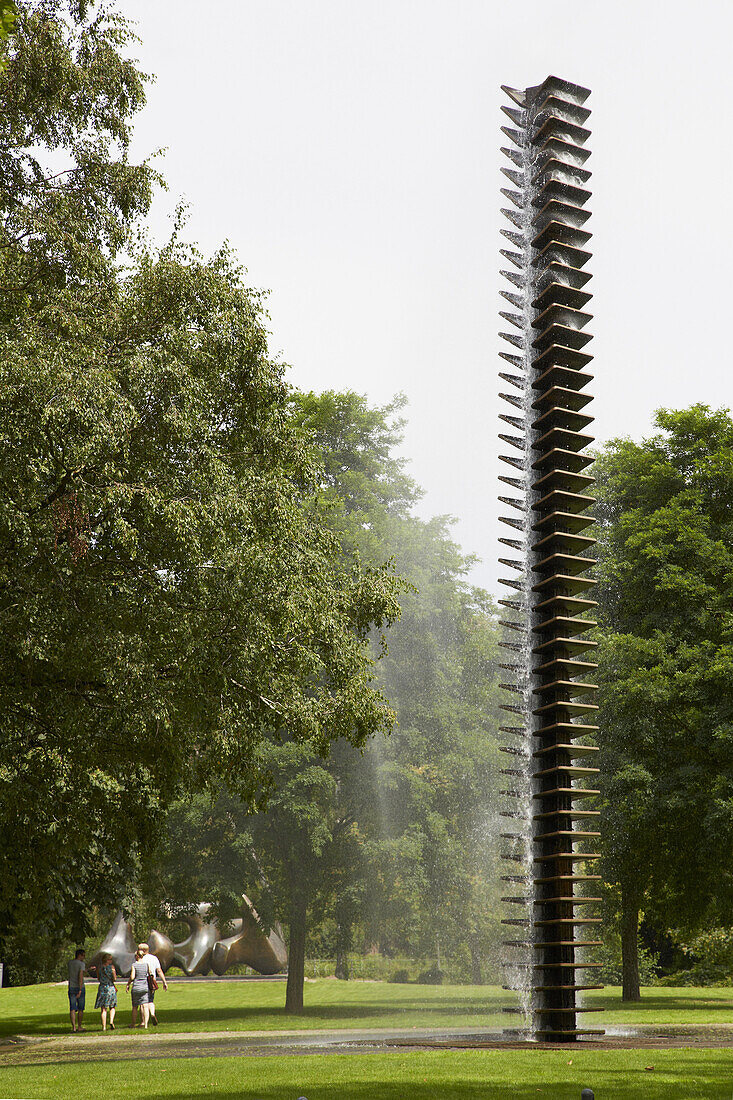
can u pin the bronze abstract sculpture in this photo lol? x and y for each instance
(248, 944)
(121, 944)
(204, 949)
(551, 701)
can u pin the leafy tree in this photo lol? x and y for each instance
(434, 871)
(666, 532)
(69, 196)
(8, 14)
(169, 604)
(393, 842)
(420, 800)
(290, 855)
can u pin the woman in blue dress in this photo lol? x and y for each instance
(107, 992)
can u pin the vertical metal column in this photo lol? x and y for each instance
(551, 593)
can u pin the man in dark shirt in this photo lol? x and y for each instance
(77, 966)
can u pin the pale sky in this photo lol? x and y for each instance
(349, 153)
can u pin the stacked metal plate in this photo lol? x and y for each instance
(552, 705)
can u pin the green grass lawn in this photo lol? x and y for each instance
(42, 1010)
(444, 1075)
(706, 1006)
(438, 1075)
(258, 1006)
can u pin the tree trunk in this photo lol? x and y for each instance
(343, 943)
(476, 974)
(342, 964)
(296, 957)
(630, 945)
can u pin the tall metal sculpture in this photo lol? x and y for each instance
(552, 702)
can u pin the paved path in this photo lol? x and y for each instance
(123, 1044)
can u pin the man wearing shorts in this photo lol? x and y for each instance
(156, 970)
(77, 966)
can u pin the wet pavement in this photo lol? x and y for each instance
(123, 1045)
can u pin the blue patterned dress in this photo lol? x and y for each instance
(106, 994)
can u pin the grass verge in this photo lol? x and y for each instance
(465, 1075)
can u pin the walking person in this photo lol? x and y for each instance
(77, 993)
(156, 972)
(107, 992)
(140, 993)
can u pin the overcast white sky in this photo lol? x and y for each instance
(349, 152)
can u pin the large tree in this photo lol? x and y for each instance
(392, 845)
(169, 602)
(666, 667)
(427, 854)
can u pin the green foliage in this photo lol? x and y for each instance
(171, 606)
(69, 197)
(8, 15)
(611, 972)
(432, 976)
(666, 660)
(421, 798)
(708, 958)
(390, 845)
(169, 603)
(36, 954)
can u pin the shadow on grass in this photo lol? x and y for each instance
(665, 1004)
(696, 1079)
(334, 1013)
(256, 1018)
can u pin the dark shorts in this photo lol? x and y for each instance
(76, 999)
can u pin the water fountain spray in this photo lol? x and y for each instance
(551, 701)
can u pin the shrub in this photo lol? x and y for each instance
(431, 976)
(710, 959)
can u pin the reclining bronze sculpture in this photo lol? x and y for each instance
(204, 949)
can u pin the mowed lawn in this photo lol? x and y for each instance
(42, 1010)
(202, 1007)
(434, 1075)
(259, 1006)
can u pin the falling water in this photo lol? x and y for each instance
(519, 974)
(547, 219)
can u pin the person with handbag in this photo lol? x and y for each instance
(138, 979)
(155, 975)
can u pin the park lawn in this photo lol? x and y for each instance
(447, 1075)
(706, 1006)
(42, 1010)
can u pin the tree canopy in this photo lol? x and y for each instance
(666, 662)
(171, 603)
(392, 845)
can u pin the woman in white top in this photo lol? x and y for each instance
(157, 971)
(139, 981)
